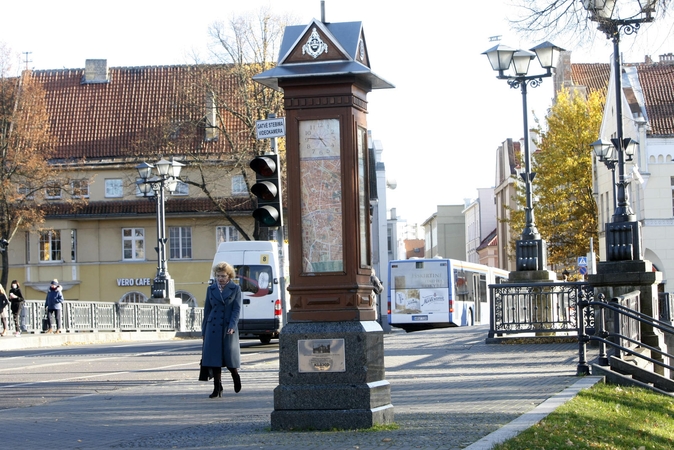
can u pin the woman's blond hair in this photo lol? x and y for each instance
(225, 267)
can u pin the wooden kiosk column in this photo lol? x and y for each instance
(332, 349)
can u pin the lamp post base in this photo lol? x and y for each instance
(623, 241)
(531, 254)
(164, 288)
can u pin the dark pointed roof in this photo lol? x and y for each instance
(323, 49)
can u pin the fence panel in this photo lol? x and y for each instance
(541, 308)
(80, 316)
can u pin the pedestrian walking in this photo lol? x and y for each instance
(377, 289)
(219, 328)
(4, 307)
(54, 304)
(17, 301)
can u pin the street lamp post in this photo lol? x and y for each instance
(604, 151)
(623, 234)
(531, 250)
(165, 179)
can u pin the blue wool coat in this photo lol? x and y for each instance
(54, 299)
(221, 312)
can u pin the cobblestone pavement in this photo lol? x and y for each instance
(449, 390)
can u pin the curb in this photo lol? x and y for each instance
(534, 416)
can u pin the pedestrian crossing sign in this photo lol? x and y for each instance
(582, 261)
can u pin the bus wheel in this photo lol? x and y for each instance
(469, 320)
(265, 338)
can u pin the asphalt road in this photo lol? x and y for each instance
(40, 376)
(450, 390)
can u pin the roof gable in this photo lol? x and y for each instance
(323, 49)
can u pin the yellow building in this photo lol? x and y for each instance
(104, 121)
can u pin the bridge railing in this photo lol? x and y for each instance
(80, 316)
(539, 308)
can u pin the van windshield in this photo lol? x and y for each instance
(255, 279)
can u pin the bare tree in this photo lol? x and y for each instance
(26, 146)
(218, 104)
(551, 19)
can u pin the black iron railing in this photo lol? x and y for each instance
(540, 308)
(618, 327)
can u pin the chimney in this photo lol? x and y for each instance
(96, 71)
(667, 58)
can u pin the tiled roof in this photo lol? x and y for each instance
(593, 76)
(109, 119)
(657, 82)
(146, 207)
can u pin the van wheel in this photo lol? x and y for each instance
(265, 338)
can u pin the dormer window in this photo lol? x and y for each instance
(80, 188)
(53, 190)
(211, 118)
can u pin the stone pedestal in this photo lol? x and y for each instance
(317, 392)
(621, 277)
(532, 276)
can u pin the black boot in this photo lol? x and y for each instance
(217, 383)
(237, 380)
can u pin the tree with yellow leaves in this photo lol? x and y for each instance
(565, 207)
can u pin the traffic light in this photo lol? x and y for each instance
(267, 189)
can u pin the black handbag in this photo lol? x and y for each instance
(205, 373)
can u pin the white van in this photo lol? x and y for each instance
(263, 286)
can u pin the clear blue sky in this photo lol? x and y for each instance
(439, 127)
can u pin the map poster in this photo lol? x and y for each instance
(321, 210)
(321, 355)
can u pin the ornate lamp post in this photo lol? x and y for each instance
(166, 179)
(604, 151)
(531, 250)
(623, 234)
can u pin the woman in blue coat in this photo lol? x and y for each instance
(219, 328)
(53, 303)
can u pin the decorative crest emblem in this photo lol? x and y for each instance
(315, 45)
(361, 48)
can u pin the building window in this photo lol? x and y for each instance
(50, 245)
(138, 191)
(53, 190)
(180, 242)
(671, 181)
(225, 234)
(134, 297)
(73, 245)
(187, 298)
(239, 185)
(26, 191)
(113, 188)
(181, 189)
(80, 188)
(27, 247)
(133, 244)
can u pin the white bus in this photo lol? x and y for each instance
(439, 293)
